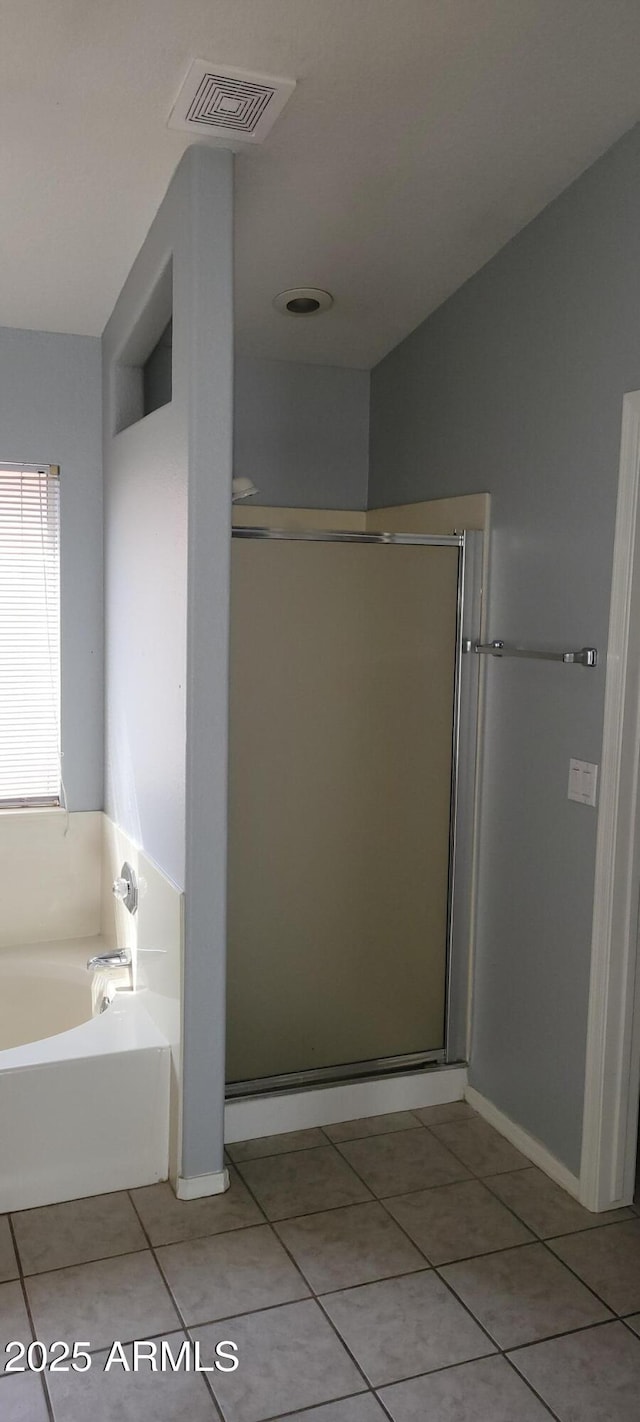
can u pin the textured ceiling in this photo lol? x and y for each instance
(422, 135)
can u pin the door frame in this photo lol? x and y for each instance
(612, 1076)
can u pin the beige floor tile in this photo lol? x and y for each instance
(14, 1321)
(402, 1161)
(449, 1111)
(523, 1295)
(119, 1396)
(484, 1391)
(275, 1145)
(303, 1182)
(8, 1262)
(354, 1245)
(481, 1148)
(456, 1221)
(289, 1358)
(230, 1273)
(634, 1323)
(405, 1326)
(544, 1206)
(22, 1399)
(592, 1376)
(77, 1232)
(352, 1409)
(608, 1260)
(170, 1221)
(120, 1298)
(371, 1126)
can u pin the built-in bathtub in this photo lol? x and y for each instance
(84, 1077)
(46, 989)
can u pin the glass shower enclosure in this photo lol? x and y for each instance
(345, 668)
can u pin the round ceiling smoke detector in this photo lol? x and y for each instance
(303, 301)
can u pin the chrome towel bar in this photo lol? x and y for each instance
(585, 657)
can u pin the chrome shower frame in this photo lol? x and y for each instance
(460, 892)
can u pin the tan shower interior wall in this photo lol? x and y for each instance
(265, 516)
(468, 511)
(432, 516)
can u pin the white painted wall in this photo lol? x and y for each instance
(50, 412)
(146, 628)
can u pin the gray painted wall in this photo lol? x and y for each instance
(301, 432)
(515, 385)
(167, 523)
(50, 411)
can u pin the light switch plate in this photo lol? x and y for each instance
(583, 781)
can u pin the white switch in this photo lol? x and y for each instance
(583, 780)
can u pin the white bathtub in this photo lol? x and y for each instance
(84, 1094)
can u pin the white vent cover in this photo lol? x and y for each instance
(229, 103)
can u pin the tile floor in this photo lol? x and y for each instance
(411, 1267)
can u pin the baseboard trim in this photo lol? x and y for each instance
(195, 1187)
(323, 1106)
(536, 1152)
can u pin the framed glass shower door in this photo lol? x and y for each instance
(342, 724)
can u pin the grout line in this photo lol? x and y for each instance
(590, 1229)
(273, 1154)
(59, 1204)
(430, 1372)
(555, 1337)
(443, 1281)
(537, 1237)
(381, 1403)
(452, 1367)
(345, 1345)
(248, 1312)
(80, 1263)
(191, 1238)
(174, 1301)
(532, 1389)
(563, 1234)
(588, 1287)
(316, 1299)
(433, 1131)
(336, 1146)
(27, 1304)
(316, 1406)
(371, 1135)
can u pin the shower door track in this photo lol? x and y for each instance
(327, 1076)
(454, 1049)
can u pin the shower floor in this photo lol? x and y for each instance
(413, 1267)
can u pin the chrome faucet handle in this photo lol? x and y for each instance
(125, 888)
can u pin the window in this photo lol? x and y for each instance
(29, 635)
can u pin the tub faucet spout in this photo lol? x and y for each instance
(118, 958)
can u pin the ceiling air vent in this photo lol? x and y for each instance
(230, 104)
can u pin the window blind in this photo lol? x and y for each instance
(29, 636)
